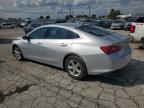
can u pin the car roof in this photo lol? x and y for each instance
(71, 25)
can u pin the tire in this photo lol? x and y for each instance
(141, 46)
(76, 67)
(17, 53)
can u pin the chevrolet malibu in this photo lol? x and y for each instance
(79, 49)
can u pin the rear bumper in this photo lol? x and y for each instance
(134, 38)
(108, 63)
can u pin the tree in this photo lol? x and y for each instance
(47, 17)
(67, 17)
(41, 17)
(114, 13)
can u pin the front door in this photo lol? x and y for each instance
(33, 47)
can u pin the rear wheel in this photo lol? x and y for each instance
(17, 53)
(76, 67)
(141, 46)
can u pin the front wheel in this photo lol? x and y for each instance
(76, 67)
(17, 53)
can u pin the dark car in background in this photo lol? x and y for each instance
(108, 23)
(33, 24)
(118, 24)
(128, 23)
(7, 26)
(31, 27)
(100, 23)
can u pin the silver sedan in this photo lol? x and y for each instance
(79, 49)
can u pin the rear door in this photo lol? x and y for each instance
(57, 44)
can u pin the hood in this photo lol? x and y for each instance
(18, 38)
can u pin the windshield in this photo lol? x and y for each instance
(96, 31)
(35, 25)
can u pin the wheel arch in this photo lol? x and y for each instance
(13, 46)
(71, 54)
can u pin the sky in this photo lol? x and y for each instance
(60, 8)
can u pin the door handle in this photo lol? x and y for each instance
(63, 44)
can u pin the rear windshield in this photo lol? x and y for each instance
(131, 20)
(93, 30)
(140, 20)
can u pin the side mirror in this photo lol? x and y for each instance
(26, 38)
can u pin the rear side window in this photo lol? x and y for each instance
(60, 33)
(93, 30)
(140, 20)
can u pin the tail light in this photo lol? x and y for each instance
(132, 28)
(110, 49)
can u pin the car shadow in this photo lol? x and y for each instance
(44, 64)
(131, 75)
(1, 61)
(139, 48)
(5, 41)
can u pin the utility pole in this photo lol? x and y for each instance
(89, 7)
(70, 8)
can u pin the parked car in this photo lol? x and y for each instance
(7, 26)
(79, 49)
(22, 24)
(99, 23)
(108, 23)
(128, 23)
(118, 24)
(31, 26)
(137, 31)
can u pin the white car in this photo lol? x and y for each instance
(137, 31)
(7, 26)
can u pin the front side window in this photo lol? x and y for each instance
(38, 34)
(60, 33)
(93, 30)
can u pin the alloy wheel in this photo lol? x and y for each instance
(17, 53)
(74, 68)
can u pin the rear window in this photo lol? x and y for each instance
(131, 20)
(140, 20)
(93, 30)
